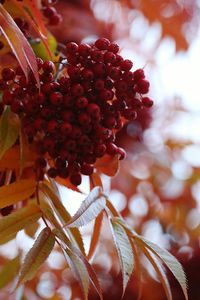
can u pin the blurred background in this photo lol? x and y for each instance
(157, 189)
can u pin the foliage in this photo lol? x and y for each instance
(31, 204)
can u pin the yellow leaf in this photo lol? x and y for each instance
(31, 229)
(9, 271)
(16, 221)
(17, 191)
(37, 255)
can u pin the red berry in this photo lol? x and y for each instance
(49, 11)
(7, 97)
(8, 74)
(122, 153)
(16, 106)
(111, 149)
(52, 126)
(93, 110)
(72, 47)
(102, 43)
(100, 150)
(87, 74)
(138, 74)
(75, 179)
(39, 123)
(99, 69)
(67, 115)
(113, 47)
(84, 119)
(97, 55)
(87, 169)
(109, 57)
(66, 128)
(48, 66)
(63, 172)
(126, 65)
(147, 102)
(81, 102)
(55, 20)
(142, 86)
(52, 172)
(56, 98)
(110, 122)
(84, 49)
(77, 90)
(130, 114)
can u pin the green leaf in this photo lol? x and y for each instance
(37, 255)
(124, 250)
(171, 262)
(79, 269)
(89, 209)
(18, 220)
(9, 271)
(9, 130)
(39, 47)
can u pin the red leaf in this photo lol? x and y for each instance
(18, 43)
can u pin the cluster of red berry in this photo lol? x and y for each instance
(74, 117)
(50, 12)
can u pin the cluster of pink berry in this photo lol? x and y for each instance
(74, 117)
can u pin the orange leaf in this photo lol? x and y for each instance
(11, 159)
(17, 191)
(95, 180)
(18, 44)
(35, 18)
(108, 165)
(95, 235)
